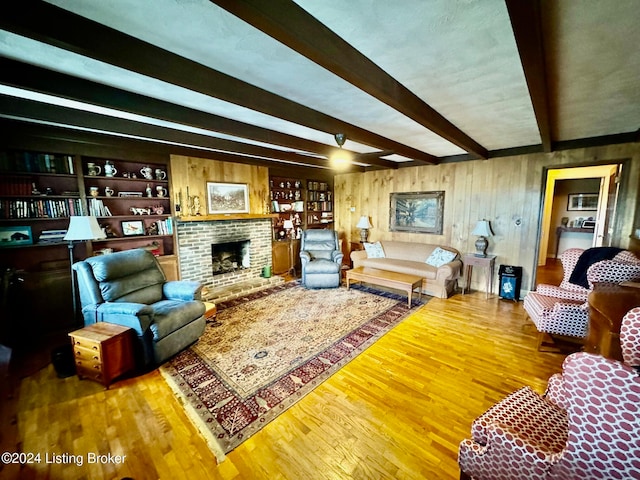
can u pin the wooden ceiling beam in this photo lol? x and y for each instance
(32, 78)
(293, 26)
(55, 26)
(21, 109)
(527, 28)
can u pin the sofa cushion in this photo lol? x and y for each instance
(374, 250)
(322, 265)
(439, 257)
(414, 251)
(402, 266)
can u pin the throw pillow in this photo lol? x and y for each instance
(439, 257)
(374, 250)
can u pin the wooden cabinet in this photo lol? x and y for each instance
(103, 351)
(286, 256)
(607, 305)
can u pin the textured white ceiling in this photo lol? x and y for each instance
(458, 56)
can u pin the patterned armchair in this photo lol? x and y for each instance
(564, 310)
(630, 338)
(584, 427)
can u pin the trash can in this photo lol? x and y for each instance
(510, 282)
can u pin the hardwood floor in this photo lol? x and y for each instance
(398, 411)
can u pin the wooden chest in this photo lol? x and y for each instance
(103, 351)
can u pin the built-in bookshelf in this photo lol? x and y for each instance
(39, 191)
(319, 204)
(287, 201)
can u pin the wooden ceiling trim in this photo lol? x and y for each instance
(63, 29)
(291, 25)
(526, 23)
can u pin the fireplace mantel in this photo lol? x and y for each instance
(223, 217)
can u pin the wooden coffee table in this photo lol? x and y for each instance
(399, 281)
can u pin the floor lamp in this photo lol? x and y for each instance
(288, 226)
(81, 228)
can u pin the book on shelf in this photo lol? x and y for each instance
(31, 162)
(40, 208)
(165, 227)
(97, 208)
(52, 236)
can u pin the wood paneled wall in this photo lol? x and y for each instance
(192, 174)
(505, 191)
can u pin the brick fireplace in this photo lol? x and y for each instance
(195, 240)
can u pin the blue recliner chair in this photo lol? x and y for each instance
(129, 288)
(321, 259)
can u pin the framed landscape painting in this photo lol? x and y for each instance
(13, 236)
(417, 212)
(227, 198)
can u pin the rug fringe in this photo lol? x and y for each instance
(197, 422)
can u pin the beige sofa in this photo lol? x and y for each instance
(410, 258)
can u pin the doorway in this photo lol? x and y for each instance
(578, 211)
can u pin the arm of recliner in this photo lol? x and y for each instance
(305, 257)
(337, 256)
(182, 290)
(133, 315)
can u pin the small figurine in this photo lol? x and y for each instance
(195, 205)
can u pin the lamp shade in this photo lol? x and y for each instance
(288, 225)
(363, 222)
(483, 229)
(84, 228)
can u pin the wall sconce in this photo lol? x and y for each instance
(364, 225)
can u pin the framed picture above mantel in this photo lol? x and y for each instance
(227, 198)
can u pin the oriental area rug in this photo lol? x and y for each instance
(267, 350)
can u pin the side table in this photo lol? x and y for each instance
(607, 305)
(103, 351)
(469, 261)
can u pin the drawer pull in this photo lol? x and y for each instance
(95, 347)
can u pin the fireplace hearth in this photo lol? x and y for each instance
(230, 256)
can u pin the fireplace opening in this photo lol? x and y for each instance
(230, 256)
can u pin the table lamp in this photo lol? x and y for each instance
(483, 230)
(288, 226)
(364, 225)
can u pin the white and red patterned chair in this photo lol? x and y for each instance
(564, 310)
(584, 427)
(630, 337)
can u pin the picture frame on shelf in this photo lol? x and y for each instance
(15, 236)
(417, 212)
(582, 202)
(132, 228)
(227, 198)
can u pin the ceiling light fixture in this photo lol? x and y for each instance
(341, 159)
